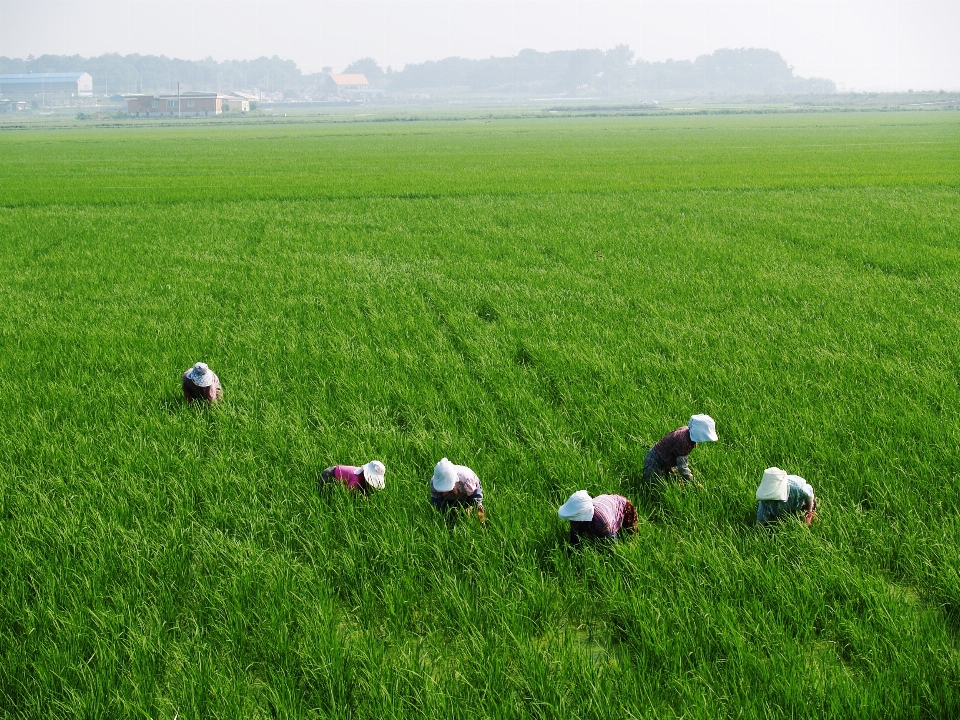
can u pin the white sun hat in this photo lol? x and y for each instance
(774, 485)
(578, 508)
(373, 473)
(200, 375)
(702, 429)
(444, 476)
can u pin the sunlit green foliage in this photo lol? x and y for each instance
(539, 300)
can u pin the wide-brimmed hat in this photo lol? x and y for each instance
(702, 429)
(373, 473)
(578, 508)
(200, 375)
(774, 485)
(444, 476)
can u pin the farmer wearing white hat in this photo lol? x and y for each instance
(780, 495)
(201, 383)
(600, 517)
(362, 479)
(673, 450)
(456, 486)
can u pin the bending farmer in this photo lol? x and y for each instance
(201, 383)
(673, 450)
(361, 479)
(781, 495)
(600, 517)
(456, 486)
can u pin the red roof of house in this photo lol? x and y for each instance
(350, 79)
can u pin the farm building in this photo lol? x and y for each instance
(12, 105)
(74, 84)
(354, 81)
(190, 103)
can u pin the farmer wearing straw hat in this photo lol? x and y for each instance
(201, 383)
(780, 495)
(361, 479)
(456, 486)
(601, 517)
(673, 450)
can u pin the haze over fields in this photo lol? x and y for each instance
(891, 45)
(538, 240)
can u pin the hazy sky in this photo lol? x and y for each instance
(861, 44)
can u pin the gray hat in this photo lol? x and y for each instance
(201, 375)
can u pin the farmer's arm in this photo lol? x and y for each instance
(683, 467)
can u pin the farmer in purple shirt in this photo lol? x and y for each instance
(456, 486)
(673, 450)
(601, 517)
(360, 479)
(201, 383)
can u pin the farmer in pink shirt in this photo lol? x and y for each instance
(605, 516)
(362, 479)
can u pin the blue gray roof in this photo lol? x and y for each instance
(24, 78)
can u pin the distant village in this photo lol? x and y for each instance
(150, 86)
(25, 91)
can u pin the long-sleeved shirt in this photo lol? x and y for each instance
(466, 492)
(349, 475)
(673, 450)
(799, 497)
(675, 445)
(609, 513)
(192, 391)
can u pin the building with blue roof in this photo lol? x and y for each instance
(74, 84)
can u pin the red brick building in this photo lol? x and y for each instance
(188, 103)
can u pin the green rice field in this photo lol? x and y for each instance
(539, 299)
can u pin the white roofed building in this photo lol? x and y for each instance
(74, 84)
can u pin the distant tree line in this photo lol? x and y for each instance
(612, 73)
